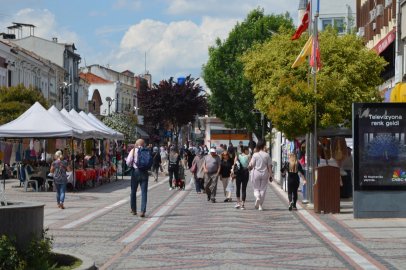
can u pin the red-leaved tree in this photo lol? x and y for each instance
(173, 103)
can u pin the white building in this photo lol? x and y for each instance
(62, 54)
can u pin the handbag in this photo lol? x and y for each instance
(194, 167)
(130, 170)
(237, 167)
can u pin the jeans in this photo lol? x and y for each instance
(60, 192)
(155, 171)
(242, 182)
(139, 177)
(199, 182)
(173, 171)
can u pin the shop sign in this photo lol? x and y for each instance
(379, 135)
(168, 133)
(398, 68)
(385, 42)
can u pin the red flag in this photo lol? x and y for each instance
(304, 25)
(317, 55)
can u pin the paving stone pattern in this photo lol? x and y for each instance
(197, 234)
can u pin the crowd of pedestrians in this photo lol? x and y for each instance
(234, 166)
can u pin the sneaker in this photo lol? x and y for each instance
(260, 208)
(242, 207)
(290, 206)
(213, 200)
(226, 200)
(170, 188)
(208, 198)
(294, 207)
(257, 202)
(237, 205)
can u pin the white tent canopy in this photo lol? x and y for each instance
(37, 122)
(106, 135)
(116, 135)
(87, 134)
(97, 134)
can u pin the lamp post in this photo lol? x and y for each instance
(110, 101)
(64, 88)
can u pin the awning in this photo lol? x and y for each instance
(385, 42)
(143, 134)
(119, 135)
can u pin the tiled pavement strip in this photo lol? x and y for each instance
(184, 231)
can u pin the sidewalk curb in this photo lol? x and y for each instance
(87, 264)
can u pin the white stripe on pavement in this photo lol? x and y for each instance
(107, 208)
(152, 220)
(355, 256)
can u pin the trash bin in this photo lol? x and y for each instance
(327, 189)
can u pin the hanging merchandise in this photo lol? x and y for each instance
(62, 144)
(19, 152)
(13, 154)
(8, 150)
(51, 146)
(89, 147)
(340, 152)
(58, 144)
(69, 148)
(75, 146)
(31, 144)
(36, 146)
(1, 155)
(328, 151)
(26, 143)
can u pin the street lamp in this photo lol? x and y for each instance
(64, 88)
(110, 101)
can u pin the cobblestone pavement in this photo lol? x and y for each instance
(183, 230)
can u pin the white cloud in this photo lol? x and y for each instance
(47, 27)
(127, 4)
(95, 13)
(179, 47)
(229, 8)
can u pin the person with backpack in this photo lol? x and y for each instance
(293, 167)
(156, 164)
(59, 168)
(140, 160)
(173, 167)
(242, 176)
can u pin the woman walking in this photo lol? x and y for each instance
(173, 166)
(293, 168)
(59, 168)
(156, 163)
(242, 177)
(164, 157)
(190, 157)
(199, 173)
(225, 173)
(261, 166)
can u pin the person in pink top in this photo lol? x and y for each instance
(261, 167)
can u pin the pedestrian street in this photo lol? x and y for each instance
(182, 230)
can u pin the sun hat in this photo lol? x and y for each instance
(212, 150)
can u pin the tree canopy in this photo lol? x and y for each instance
(173, 103)
(15, 100)
(124, 124)
(231, 98)
(350, 73)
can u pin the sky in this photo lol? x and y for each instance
(174, 34)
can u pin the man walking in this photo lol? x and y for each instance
(231, 150)
(220, 150)
(138, 177)
(212, 166)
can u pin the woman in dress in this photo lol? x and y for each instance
(261, 166)
(59, 168)
(242, 177)
(225, 173)
(293, 168)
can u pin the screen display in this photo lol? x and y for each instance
(379, 131)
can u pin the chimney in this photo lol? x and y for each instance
(54, 39)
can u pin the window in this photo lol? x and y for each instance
(333, 22)
(94, 105)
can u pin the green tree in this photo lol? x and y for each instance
(232, 100)
(15, 100)
(350, 73)
(124, 124)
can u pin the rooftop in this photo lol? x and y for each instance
(93, 79)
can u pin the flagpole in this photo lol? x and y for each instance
(315, 144)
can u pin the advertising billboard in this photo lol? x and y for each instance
(379, 131)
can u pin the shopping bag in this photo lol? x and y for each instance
(230, 186)
(192, 181)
